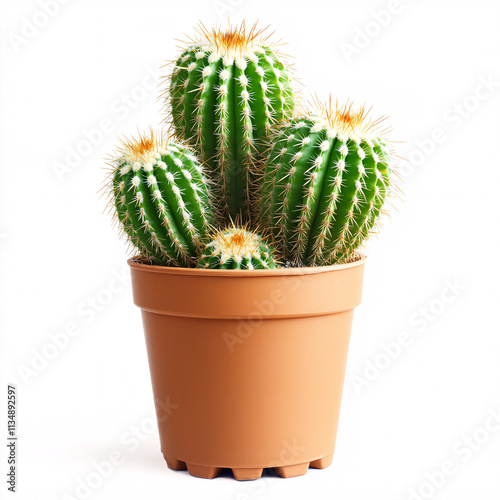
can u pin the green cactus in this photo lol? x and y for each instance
(326, 179)
(237, 248)
(161, 199)
(226, 91)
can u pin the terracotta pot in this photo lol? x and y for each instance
(247, 367)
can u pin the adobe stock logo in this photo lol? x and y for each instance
(453, 118)
(462, 451)
(419, 322)
(130, 441)
(85, 312)
(31, 27)
(225, 8)
(363, 36)
(91, 139)
(261, 311)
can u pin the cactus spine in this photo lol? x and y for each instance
(326, 179)
(226, 90)
(237, 248)
(161, 199)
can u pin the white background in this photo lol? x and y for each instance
(401, 420)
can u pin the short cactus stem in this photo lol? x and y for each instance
(226, 91)
(237, 248)
(326, 180)
(161, 199)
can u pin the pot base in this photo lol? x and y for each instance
(246, 474)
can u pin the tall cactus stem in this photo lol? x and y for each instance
(227, 89)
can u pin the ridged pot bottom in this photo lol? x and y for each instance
(246, 474)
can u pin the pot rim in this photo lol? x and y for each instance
(254, 273)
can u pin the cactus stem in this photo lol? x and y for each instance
(226, 91)
(324, 187)
(161, 198)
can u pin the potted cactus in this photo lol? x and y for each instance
(249, 222)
